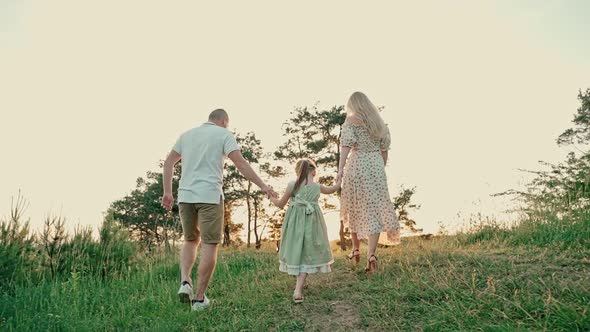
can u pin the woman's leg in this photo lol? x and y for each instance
(356, 243)
(373, 240)
(371, 257)
(355, 255)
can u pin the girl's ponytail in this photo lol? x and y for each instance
(302, 169)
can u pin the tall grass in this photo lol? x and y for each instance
(18, 259)
(554, 212)
(55, 255)
(539, 227)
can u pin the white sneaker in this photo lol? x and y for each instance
(198, 306)
(185, 293)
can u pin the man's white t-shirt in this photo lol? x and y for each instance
(203, 151)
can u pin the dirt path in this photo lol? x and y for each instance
(328, 305)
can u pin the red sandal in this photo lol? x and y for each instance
(355, 255)
(372, 265)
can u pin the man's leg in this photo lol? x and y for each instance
(206, 268)
(211, 226)
(188, 255)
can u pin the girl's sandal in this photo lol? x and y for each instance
(355, 255)
(372, 265)
(298, 299)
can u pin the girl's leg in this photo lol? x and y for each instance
(298, 294)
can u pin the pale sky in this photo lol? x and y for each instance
(94, 93)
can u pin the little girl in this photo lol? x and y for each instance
(304, 245)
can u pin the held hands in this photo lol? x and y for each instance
(339, 182)
(274, 200)
(269, 192)
(167, 201)
(339, 176)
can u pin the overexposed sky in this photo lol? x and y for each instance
(94, 93)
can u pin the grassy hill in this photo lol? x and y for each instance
(453, 283)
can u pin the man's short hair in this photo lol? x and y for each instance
(218, 115)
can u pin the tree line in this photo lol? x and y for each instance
(562, 190)
(555, 206)
(308, 132)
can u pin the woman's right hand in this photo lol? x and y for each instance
(340, 176)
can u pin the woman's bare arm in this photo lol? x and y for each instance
(385, 155)
(344, 151)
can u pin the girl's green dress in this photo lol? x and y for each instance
(304, 244)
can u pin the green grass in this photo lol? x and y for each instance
(439, 285)
(542, 229)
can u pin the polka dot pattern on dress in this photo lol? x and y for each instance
(365, 205)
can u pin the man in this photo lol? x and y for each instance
(200, 196)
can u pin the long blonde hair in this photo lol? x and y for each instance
(360, 106)
(302, 169)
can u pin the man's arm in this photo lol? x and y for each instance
(247, 171)
(245, 168)
(171, 160)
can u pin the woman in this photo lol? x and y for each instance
(365, 204)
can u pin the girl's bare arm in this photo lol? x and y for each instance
(280, 203)
(330, 189)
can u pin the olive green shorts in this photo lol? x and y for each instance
(202, 220)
